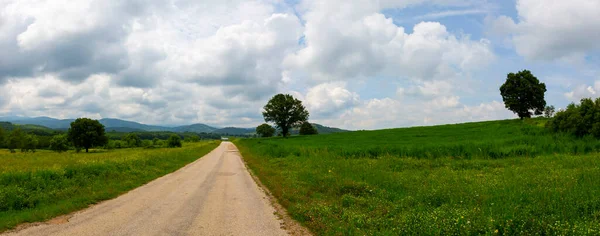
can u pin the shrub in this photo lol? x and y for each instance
(307, 129)
(59, 143)
(579, 120)
(132, 140)
(147, 143)
(174, 141)
(265, 130)
(191, 138)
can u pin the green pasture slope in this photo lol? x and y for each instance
(39, 186)
(495, 178)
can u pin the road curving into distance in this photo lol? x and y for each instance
(214, 195)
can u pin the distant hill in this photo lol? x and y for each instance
(321, 129)
(328, 130)
(195, 128)
(43, 121)
(109, 123)
(35, 129)
(119, 125)
(235, 131)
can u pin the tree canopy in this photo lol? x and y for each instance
(523, 93)
(265, 130)
(87, 133)
(59, 143)
(15, 140)
(286, 112)
(132, 140)
(308, 129)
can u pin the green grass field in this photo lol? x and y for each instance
(39, 186)
(499, 177)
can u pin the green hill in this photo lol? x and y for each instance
(34, 129)
(321, 129)
(493, 178)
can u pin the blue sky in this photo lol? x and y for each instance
(354, 64)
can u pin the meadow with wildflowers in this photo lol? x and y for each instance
(495, 178)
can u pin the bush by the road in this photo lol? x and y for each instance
(174, 141)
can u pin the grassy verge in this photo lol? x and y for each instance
(39, 186)
(368, 183)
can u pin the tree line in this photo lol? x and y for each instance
(85, 133)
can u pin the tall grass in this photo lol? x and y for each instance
(39, 186)
(501, 177)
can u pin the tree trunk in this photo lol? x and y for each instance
(284, 131)
(86, 150)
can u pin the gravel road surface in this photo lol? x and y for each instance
(214, 195)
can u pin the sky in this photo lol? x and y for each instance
(362, 64)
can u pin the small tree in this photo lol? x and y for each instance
(15, 140)
(87, 133)
(307, 129)
(549, 111)
(265, 130)
(147, 143)
(59, 143)
(155, 141)
(132, 140)
(30, 143)
(523, 93)
(286, 112)
(174, 141)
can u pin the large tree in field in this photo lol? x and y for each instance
(523, 93)
(87, 133)
(286, 112)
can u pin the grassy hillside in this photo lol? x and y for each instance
(500, 177)
(38, 186)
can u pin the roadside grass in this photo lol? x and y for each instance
(39, 186)
(500, 177)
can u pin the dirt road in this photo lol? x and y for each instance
(215, 195)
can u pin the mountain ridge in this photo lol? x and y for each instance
(119, 125)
